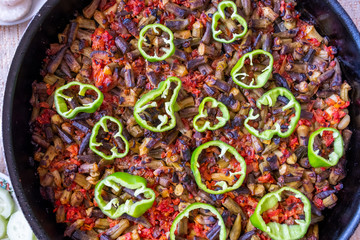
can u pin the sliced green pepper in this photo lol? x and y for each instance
(270, 99)
(170, 106)
(204, 114)
(114, 209)
(170, 41)
(279, 231)
(60, 100)
(191, 207)
(223, 184)
(259, 80)
(234, 16)
(93, 144)
(318, 161)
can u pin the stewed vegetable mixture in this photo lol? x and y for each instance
(190, 119)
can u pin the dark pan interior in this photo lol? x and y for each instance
(339, 223)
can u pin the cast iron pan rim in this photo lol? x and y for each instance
(12, 78)
(31, 30)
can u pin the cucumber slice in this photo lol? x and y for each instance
(18, 228)
(3, 224)
(6, 203)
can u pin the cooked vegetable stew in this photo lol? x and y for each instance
(190, 119)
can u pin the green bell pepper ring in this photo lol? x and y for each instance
(234, 16)
(169, 41)
(170, 107)
(93, 144)
(223, 184)
(197, 205)
(60, 100)
(114, 209)
(318, 161)
(269, 99)
(260, 80)
(279, 231)
(203, 114)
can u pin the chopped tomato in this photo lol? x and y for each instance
(314, 42)
(45, 116)
(328, 137)
(337, 102)
(294, 142)
(102, 40)
(267, 178)
(135, 6)
(73, 149)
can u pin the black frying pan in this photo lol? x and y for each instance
(332, 21)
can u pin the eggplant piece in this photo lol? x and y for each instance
(247, 235)
(316, 219)
(246, 4)
(40, 141)
(49, 133)
(261, 23)
(151, 75)
(291, 33)
(122, 45)
(74, 26)
(101, 55)
(214, 232)
(325, 194)
(257, 41)
(89, 10)
(141, 220)
(133, 54)
(315, 210)
(105, 237)
(347, 133)
(281, 81)
(309, 55)
(65, 69)
(228, 48)
(129, 76)
(301, 152)
(64, 135)
(273, 162)
(196, 62)
(170, 137)
(97, 213)
(177, 24)
(205, 69)
(132, 193)
(89, 158)
(306, 115)
(131, 26)
(207, 35)
(298, 77)
(56, 61)
(180, 54)
(289, 179)
(326, 75)
(84, 143)
(267, 42)
(82, 116)
(81, 126)
(205, 49)
(218, 84)
(179, 11)
(198, 4)
(210, 90)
